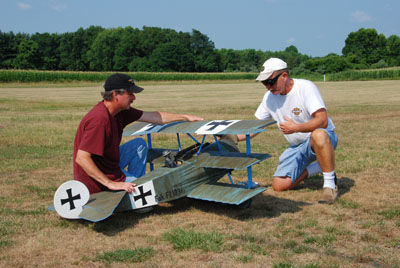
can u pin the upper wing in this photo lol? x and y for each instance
(219, 127)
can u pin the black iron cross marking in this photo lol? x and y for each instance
(70, 199)
(214, 125)
(142, 195)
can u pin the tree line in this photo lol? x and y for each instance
(153, 49)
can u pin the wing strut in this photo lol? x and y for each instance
(219, 148)
(201, 145)
(250, 184)
(179, 142)
(150, 146)
(192, 138)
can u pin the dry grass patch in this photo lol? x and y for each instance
(285, 229)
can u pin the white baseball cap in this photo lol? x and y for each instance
(270, 66)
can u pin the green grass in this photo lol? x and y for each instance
(139, 254)
(348, 204)
(5, 243)
(245, 258)
(190, 239)
(291, 265)
(391, 214)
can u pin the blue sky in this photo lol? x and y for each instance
(315, 27)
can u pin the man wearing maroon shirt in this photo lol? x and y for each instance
(97, 157)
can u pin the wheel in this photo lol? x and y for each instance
(246, 204)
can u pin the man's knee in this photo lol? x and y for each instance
(319, 137)
(133, 150)
(135, 141)
(281, 183)
(141, 145)
(139, 142)
(135, 144)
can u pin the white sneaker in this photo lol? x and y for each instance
(329, 195)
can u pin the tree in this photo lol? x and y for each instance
(9, 43)
(249, 60)
(332, 63)
(230, 60)
(139, 64)
(365, 46)
(393, 48)
(151, 37)
(102, 50)
(74, 47)
(8, 49)
(47, 50)
(126, 50)
(174, 56)
(205, 56)
(88, 37)
(28, 56)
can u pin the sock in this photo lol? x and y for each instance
(313, 169)
(329, 179)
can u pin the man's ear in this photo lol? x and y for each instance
(114, 93)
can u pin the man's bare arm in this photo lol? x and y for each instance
(84, 159)
(165, 117)
(242, 137)
(320, 120)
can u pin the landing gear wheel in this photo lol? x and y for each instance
(246, 204)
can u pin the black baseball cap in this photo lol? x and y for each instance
(121, 81)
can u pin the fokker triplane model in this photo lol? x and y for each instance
(194, 171)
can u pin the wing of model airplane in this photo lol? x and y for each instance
(217, 127)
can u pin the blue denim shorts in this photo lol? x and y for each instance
(295, 159)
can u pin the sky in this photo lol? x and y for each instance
(315, 27)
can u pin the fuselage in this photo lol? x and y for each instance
(171, 183)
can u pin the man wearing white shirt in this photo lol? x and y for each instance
(300, 112)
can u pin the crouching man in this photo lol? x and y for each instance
(98, 160)
(301, 115)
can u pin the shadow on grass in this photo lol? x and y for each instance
(263, 206)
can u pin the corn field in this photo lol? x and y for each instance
(66, 76)
(26, 76)
(384, 74)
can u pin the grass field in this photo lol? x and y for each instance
(286, 229)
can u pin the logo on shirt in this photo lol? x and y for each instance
(297, 111)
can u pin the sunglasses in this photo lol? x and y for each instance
(129, 93)
(271, 81)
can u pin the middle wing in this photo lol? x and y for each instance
(218, 127)
(229, 160)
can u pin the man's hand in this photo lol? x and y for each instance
(320, 120)
(289, 126)
(84, 159)
(121, 185)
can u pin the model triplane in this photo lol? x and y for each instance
(193, 172)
